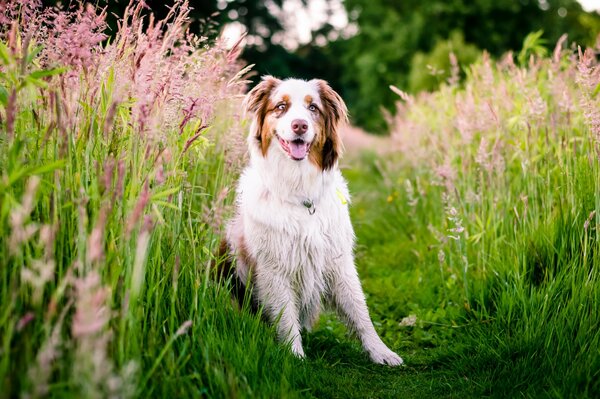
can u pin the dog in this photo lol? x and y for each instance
(291, 235)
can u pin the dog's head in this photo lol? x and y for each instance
(299, 118)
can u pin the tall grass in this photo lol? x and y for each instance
(115, 156)
(497, 184)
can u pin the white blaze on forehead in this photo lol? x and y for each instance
(297, 90)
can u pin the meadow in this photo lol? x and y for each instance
(477, 231)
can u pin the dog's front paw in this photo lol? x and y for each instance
(386, 356)
(297, 350)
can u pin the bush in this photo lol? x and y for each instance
(429, 70)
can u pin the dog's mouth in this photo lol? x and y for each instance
(296, 149)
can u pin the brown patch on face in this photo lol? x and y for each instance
(257, 103)
(315, 155)
(266, 134)
(274, 106)
(308, 99)
(327, 146)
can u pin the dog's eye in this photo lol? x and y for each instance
(281, 106)
(312, 107)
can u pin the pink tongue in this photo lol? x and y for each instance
(298, 150)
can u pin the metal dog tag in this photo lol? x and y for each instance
(310, 205)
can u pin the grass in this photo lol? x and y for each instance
(509, 338)
(490, 212)
(477, 240)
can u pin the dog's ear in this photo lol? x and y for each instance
(335, 113)
(257, 98)
(256, 104)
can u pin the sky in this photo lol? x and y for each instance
(590, 5)
(299, 21)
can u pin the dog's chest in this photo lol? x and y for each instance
(299, 246)
(297, 232)
(296, 236)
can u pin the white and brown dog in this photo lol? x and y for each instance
(291, 237)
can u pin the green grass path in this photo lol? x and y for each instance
(341, 370)
(336, 366)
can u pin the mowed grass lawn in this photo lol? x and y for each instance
(477, 237)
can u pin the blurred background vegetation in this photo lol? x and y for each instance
(364, 46)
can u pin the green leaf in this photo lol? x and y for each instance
(164, 194)
(34, 53)
(35, 82)
(49, 167)
(167, 205)
(3, 95)
(596, 91)
(36, 170)
(533, 44)
(4, 54)
(46, 72)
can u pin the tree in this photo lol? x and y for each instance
(392, 32)
(207, 16)
(265, 22)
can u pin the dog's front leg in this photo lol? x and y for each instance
(277, 297)
(349, 300)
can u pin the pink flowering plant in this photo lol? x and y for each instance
(490, 201)
(115, 158)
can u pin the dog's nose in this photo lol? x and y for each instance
(299, 126)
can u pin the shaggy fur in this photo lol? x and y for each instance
(291, 236)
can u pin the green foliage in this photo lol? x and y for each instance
(108, 231)
(206, 16)
(104, 275)
(391, 33)
(533, 46)
(395, 41)
(429, 70)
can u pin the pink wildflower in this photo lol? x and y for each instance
(95, 246)
(21, 230)
(23, 321)
(183, 329)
